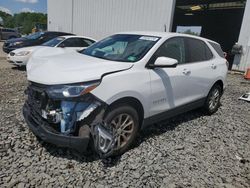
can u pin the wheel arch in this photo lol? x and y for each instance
(131, 101)
(220, 83)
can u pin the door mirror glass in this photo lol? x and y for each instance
(165, 62)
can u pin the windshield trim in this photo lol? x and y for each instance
(159, 38)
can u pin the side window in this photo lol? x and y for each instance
(49, 36)
(173, 48)
(84, 42)
(68, 43)
(197, 50)
(218, 49)
(89, 42)
(74, 42)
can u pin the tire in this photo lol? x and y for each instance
(129, 130)
(213, 99)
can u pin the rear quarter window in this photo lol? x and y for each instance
(197, 50)
(217, 48)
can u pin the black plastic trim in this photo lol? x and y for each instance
(173, 112)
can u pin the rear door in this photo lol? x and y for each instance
(200, 63)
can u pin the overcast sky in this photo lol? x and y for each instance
(16, 6)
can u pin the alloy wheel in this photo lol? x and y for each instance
(214, 99)
(124, 126)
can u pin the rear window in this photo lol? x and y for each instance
(217, 49)
(197, 50)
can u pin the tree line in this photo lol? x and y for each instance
(23, 21)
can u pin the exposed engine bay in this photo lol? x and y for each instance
(69, 119)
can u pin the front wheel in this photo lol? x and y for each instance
(124, 119)
(213, 99)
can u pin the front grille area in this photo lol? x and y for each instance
(36, 99)
(6, 44)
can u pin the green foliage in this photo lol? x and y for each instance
(24, 20)
(7, 18)
(188, 31)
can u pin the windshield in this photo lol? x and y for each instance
(122, 47)
(53, 42)
(34, 35)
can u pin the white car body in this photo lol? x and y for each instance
(22, 59)
(156, 86)
(149, 86)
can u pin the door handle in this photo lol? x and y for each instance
(186, 71)
(213, 66)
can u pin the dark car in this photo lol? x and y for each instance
(6, 33)
(34, 39)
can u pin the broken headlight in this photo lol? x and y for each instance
(74, 90)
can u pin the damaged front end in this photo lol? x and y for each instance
(69, 116)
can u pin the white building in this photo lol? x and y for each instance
(225, 21)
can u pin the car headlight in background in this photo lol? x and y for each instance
(22, 53)
(74, 90)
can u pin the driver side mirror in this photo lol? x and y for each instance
(164, 62)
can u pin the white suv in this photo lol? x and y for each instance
(120, 84)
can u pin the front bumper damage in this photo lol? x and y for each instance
(82, 116)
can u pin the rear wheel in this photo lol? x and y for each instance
(213, 99)
(125, 121)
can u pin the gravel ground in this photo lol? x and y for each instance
(192, 150)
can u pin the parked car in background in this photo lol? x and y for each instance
(34, 39)
(6, 33)
(21, 56)
(119, 84)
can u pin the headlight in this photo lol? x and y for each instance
(22, 53)
(71, 90)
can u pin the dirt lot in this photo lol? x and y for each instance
(191, 150)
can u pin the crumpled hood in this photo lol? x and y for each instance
(68, 67)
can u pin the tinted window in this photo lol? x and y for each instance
(49, 36)
(217, 49)
(173, 48)
(74, 42)
(197, 50)
(53, 42)
(88, 41)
